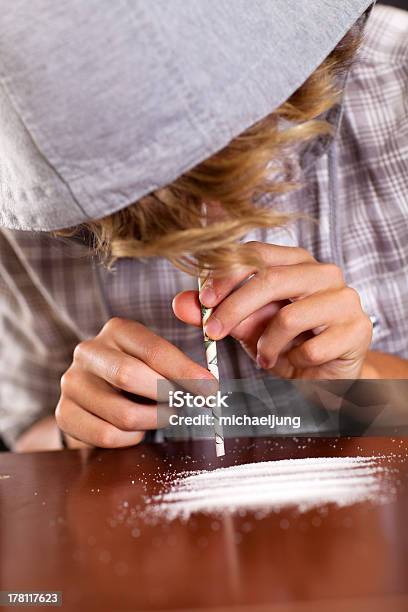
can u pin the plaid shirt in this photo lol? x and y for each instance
(53, 294)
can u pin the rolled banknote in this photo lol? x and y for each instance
(212, 365)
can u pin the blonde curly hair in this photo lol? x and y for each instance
(170, 222)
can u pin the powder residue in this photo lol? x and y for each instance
(269, 486)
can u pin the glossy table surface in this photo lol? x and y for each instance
(71, 521)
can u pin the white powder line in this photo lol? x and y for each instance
(270, 486)
(189, 488)
(253, 488)
(304, 500)
(258, 479)
(285, 466)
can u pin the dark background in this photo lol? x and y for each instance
(399, 3)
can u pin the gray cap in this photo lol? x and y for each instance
(101, 102)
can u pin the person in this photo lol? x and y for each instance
(264, 145)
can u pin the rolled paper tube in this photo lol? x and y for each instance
(212, 364)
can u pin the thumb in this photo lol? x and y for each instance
(186, 307)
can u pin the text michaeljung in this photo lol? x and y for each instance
(204, 420)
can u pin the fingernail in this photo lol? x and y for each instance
(213, 329)
(208, 297)
(261, 362)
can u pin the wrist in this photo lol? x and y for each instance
(382, 366)
(369, 371)
(42, 435)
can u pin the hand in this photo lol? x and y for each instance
(41, 436)
(124, 356)
(294, 316)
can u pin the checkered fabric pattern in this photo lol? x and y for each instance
(53, 294)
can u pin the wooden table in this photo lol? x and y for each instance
(69, 522)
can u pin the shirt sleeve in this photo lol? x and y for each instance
(35, 346)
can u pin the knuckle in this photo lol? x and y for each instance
(67, 380)
(267, 277)
(312, 353)
(286, 318)
(105, 437)
(60, 414)
(122, 376)
(352, 296)
(82, 349)
(114, 325)
(127, 421)
(334, 272)
(153, 353)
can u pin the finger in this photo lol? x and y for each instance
(272, 285)
(117, 368)
(160, 355)
(313, 313)
(345, 342)
(283, 368)
(256, 323)
(271, 255)
(249, 331)
(98, 397)
(186, 307)
(74, 442)
(88, 428)
(216, 289)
